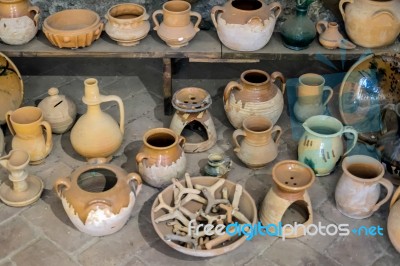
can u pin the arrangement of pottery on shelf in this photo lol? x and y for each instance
(330, 37)
(245, 25)
(218, 165)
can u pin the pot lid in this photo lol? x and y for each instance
(57, 106)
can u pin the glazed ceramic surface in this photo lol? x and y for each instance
(176, 29)
(73, 28)
(393, 226)
(161, 157)
(357, 192)
(11, 87)
(58, 110)
(310, 91)
(31, 133)
(260, 141)
(254, 94)
(127, 23)
(245, 25)
(321, 145)
(371, 23)
(217, 165)
(369, 85)
(98, 199)
(330, 37)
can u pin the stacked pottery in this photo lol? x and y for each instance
(393, 225)
(330, 37)
(19, 21)
(161, 157)
(371, 23)
(254, 94)
(245, 25)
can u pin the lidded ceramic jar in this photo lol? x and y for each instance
(98, 198)
(58, 110)
(254, 94)
(245, 25)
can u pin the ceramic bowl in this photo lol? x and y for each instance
(73, 28)
(246, 206)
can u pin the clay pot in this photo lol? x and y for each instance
(330, 37)
(176, 28)
(96, 134)
(258, 147)
(26, 125)
(19, 21)
(254, 94)
(127, 23)
(321, 145)
(98, 199)
(366, 19)
(58, 110)
(358, 190)
(393, 226)
(161, 157)
(218, 165)
(245, 25)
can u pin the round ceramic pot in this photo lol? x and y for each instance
(254, 94)
(127, 23)
(393, 225)
(98, 199)
(245, 25)
(161, 157)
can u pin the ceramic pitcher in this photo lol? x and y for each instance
(27, 126)
(310, 91)
(96, 134)
(321, 145)
(357, 192)
(254, 94)
(330, 37)
(259, 146)
(176, 29)
(393, 225)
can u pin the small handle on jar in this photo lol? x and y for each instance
(196, 25)
(258, 19)
(389, 187)
(229, 87)
(114, 98)
(235, 135)
(181, 141)
(327, 88)
(395, 197)
(341, 7)
(9, 123)
(278, 8)
(36, 10)
(134, 177)
(388, 107)
(278, 131)
(49, 136)
(155, 20)
(321, 26)
(348, 129)
(61, 184)
(140, 157)
(214, 13)
(279, 75)
(97, 33)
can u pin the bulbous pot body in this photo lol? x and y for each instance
(393, 225)
(98, 199)
(245, 25)
(254, 94)
(371, 23)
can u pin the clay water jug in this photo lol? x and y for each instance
(330, 37)
(358, 190)
(393, 225)
(96, 134)
(371, 23)
(321, 145)
(254, 94)
(27, 126)
(259, 146)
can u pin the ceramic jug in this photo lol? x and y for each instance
(19, 21)
(245, 25)
(176, 29)
(321, 145)
(393, 225)
(258, 146)
(310, 92)
(357, 192)
(98, 198)
(218, 165)
(366, 19)
(330, 37)
(161, 157)
(26, 125)
(96, 134)
(254, 94)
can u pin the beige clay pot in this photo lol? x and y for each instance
(393, 225)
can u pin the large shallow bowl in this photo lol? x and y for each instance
(246, 206)
(73, 28)
(370, 84)
(11, 87)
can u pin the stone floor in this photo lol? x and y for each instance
(42, 234)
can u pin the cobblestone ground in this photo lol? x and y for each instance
(42, 234)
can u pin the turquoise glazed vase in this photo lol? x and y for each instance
(321, 145)
(299, 31)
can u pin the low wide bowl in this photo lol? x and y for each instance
(73, 28)
(246, 206)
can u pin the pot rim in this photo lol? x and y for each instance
(244, 10)
(165, 9)
(160, 130)
(89, 27)
(362, 159)
(289, 188)
(257, 118)
(127, 19)
(267, 81)
(339, 124)
(26, 109)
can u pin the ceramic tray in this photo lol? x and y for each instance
(11, 87)
(370, 84)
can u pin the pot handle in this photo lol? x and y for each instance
(49, 137)
(60, 183)
(278, 8)
(321, 26)
(181, 141)
(140, 157)
(260, 21)
(278, 131)
(229, 87)
(196, 25)
(117, 99)
(348, 129)
(9, 124)
(327, 88)
(36, 10)
(235, 135)
(145, 16)
(389, 187)
(214, 12)
(395, 197)
(386, 108)
(341, 7)
(279, 75)
(134, 177)
(155, 20)
(97, 33)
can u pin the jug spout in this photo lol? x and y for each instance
(92, 92)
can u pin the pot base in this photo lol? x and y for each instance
(23, 198)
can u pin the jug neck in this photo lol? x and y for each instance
(262, 137)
